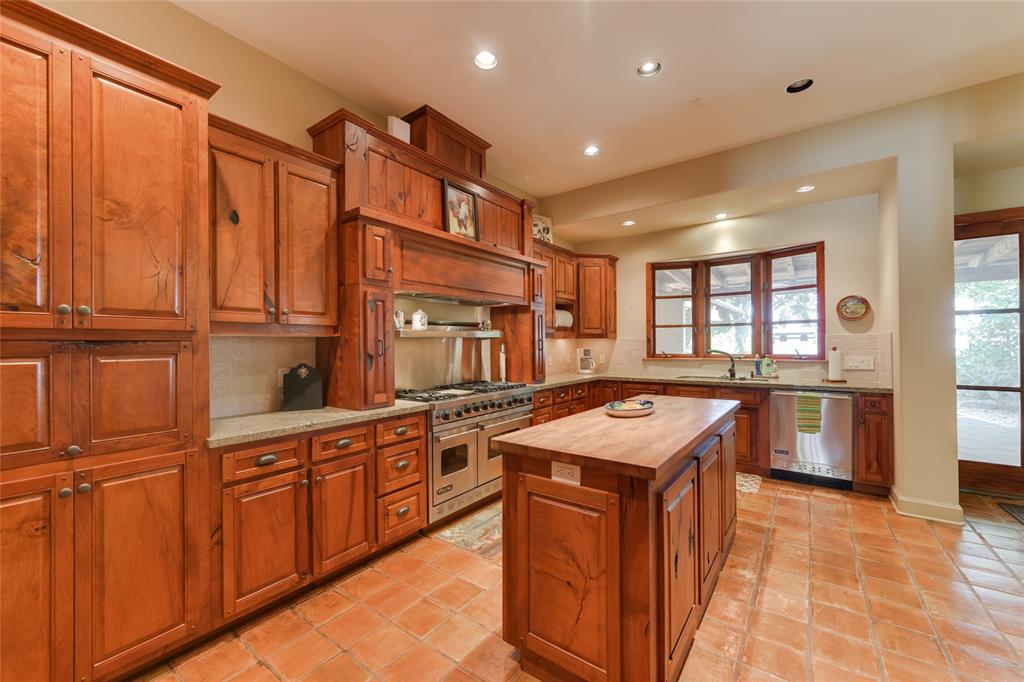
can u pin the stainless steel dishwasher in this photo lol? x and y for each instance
(812, 445)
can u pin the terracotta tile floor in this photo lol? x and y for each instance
(820, 585)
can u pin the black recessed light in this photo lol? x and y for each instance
(800, 85)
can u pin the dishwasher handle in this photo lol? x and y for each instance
(830, 396)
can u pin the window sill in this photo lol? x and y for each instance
(719, 358)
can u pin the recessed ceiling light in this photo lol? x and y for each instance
(799, 85)
(591, 150)
(628, 223)
(721, 216)
(485, 60)
(805, 188)
(646, 69)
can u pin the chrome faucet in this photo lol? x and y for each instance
(732, 361)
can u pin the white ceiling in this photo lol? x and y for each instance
(566, 77)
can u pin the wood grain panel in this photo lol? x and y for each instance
(35, 166)
(401, 513)
(399, 466)
(377, 247)
(342, 512)
(873, 441)
(710, 495)
(679, 573)
(35, 402)
(428, 269)
(136, 199)
(36, 579)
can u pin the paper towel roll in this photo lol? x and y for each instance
(835, 365)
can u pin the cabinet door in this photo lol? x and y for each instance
(400, 466)
(569, 571)
(565, 276)
(265, 540)
(308, 243)
(873, 461)
(401, 513)
(539, 360)
(131, 395)
(35, 165)
(688, 391)
(539, 279)
(377, 347)
(242, 245)
(36, 578)
(593, 305)
(710, 492)
(342, 512)
(377, 253)
(137, 552)
(679, 565)
(630, 390)
(611, 300)
(135, 147)
(35, 402)
(746, 437)
(728, 483)
(549, 289)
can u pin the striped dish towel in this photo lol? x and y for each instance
(808, 414)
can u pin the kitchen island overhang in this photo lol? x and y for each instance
(615, 531)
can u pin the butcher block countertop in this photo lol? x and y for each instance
(641, 447)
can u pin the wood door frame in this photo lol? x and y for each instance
(985, 475)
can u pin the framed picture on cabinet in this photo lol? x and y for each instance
(460, 211)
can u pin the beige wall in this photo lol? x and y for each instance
(989, 191)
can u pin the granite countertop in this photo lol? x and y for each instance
(849, 387)
(254, 427)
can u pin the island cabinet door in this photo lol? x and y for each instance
(680, 569)
(710, 492)
(569, 573)
(728, 435)
(342, 518)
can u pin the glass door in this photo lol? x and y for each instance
(987, 256)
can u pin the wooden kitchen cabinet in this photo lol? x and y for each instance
(680, 569)
(538, 284)
(729, 440)
(524, 329)
(138, 544)
(401, 513)
(873, 440)
(577, 406)
(550, 273)
(565, 276)
(35, 402)
(378, 267)
(37, 577)
(274, 245)
(541, 416)
(343, 530)
(596, 296)
(604, 392)
(709, 486)
(399, 466)
(265, 540)
(435, 133)
(632, 389)
(362, 359)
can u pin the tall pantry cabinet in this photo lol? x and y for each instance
(103, 313)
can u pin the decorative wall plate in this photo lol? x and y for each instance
(852, 308)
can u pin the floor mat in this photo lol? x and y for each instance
(1014, 510)
(479, 533)
(748, 483)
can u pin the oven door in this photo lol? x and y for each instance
(453, 463)
(489, 459)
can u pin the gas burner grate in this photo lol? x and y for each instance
(481, 386)
(431, 396)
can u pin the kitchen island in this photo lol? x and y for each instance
(615, 531)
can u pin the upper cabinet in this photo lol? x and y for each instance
(274, 243)
(435, 133)
(565, 276)
(102, 206)
(596, 298)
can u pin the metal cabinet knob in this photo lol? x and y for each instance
(284, 311)
(403, 464)
(63, 309)
(64, 492)
(343, 443)
(84, 487)
(73, 451)
(233, 217)
(319, 479)
(403, 511)
(401, 430)
(272, 310)
(84, 310)
(304, 482)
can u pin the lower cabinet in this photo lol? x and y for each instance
(873, 440)
(541, 416)
(709, 478)
(680, 570)
(728, 436)
(401, 513)
(264, 528)
(632, 389)
(603, 392)
(342, 525)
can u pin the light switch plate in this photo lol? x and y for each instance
(565, 473)
(858, 362)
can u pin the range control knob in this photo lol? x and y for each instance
(476, 407)
(508, 403)
(443, 414)
(458, 412)
(529, 398)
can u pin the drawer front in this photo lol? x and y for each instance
(400, 429)
(873, 403)
(261, 460)
(630, 390)
(562, 395)
(349, 441)
(401, 513)
(689, 391)
(399, 466)
(577, 406)
(560, 411)
(579, 391)
(541, 416)
(747, 396)
(543, 399)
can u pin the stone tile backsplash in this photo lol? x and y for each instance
(245, 371)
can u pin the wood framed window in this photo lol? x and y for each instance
(770, 303)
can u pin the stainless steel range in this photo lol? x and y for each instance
(465, 417)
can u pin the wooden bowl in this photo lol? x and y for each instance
(632, 407)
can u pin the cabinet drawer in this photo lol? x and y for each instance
(630, 390)
(350, 441)
(543, 398)
(260, 460)
(577, 406)
(747, 396)
(562, 395)
(400, 514)
(400, 429)
(873, 403)
(579, 391)
(560, 411)
(399, 466)
(688, 391)
(542, 416)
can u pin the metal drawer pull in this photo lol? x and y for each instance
(266, 460)
(85, 487)
(63, 309)
(64, 492)
(402, 464)
(402, 511)
(73, 450)
(343, 443)
(304, 481)
(401, 430)
(319, 479)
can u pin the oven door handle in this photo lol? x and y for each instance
(489, 427)
(461, 434)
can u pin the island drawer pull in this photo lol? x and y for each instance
(402, 464)
(401, 430)
(343, 443)
(403, 511)
(266, 460)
